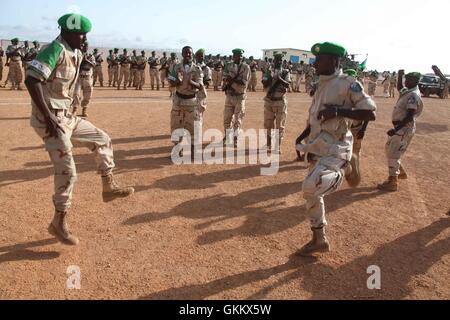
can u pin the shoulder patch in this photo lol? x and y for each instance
(356, 87)
(412, 100)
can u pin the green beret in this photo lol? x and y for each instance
(125, 50)
(95, 50)
(238, 51)
(416, 75)
(173, 54)
(202, 51)
(15, 40)
(35, 42)
(142, 51)
(116, 49)
(278, 56)
(328, 48)
(73, 22)
(351, 72)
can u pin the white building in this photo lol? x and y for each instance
(291, 54)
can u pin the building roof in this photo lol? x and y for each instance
(286, 49)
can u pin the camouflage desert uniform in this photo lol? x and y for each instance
(399, 143)
(15, 53)
(372, 85)
(155, 76)
(171, 63)
(185, 104)
(125, 63)
(98, 70)
(386, 85)
(309, 77)
(85, 83)
(276, 104)
(253, 78)
(217, 74)
(115, 69)
(141, 62)
(393, 86)
(133, 70)
(110, 68)
(236, 94)
(57, 65)
(331, 142)
(202, 93)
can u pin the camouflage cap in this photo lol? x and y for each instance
(74, 22)
(328, 48)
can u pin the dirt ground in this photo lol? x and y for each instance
(223, 231)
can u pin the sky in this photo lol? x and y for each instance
(396, 34)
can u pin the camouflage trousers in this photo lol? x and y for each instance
(396, 147)
(253, 81)
(155, 78)
(275, 115)
(124, 76)
(164, 76)
(110, 75)
(139, 77)
(15, 73)
(298, 82)
(132, 81)
(392, 89)
(184, 114)
(84, 87)
(325, 177)
(357, 143)
(234, 113)
(98, 74)
(217, 78)
(78, 132)
(115, 75)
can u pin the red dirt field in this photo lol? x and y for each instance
(222, 231)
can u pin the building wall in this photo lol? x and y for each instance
(293, 55)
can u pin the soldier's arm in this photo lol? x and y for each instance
(39, 71)
(411, 107)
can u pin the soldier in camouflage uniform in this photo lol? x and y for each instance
(110, 70)
(275, 102)
(98, 70)
(164, 70)
(14, 55)
(217, 73)
(84, 86)
(338, 101)
(253, 78)
(133, 70)
(50, 82)
(153, 63)
(125, 63)
(141, 62)
(393, 85)
(408, 108)
(115, 64)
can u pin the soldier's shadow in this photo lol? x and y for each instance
(22, 252)
(400, 261)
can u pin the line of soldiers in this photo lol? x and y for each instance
(17, 58)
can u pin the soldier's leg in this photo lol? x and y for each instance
(127, 78)
(152, 78)
(239, 114)
(228, 115)
(281, 118)
(100, 75)
(19, 76)
(110, 76)
(324, 178)
(116, 75)
(87, 95)
(87, 135)
(158, 79)
(163, 77)
(95, 76)
(269, 119)
(176, 119)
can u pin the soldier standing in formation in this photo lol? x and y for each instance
(98, 70)
(386, 84)
(164, 70)
(171, 62)
(141, 62)
(408, 108)
(393, 85)
(154, 64)
(187, 80)
(236, 78)
(84, 85)
(253, 79)
(125, 62)
(14, 56)
(110, 70)
(51, 98)
(373, 78)
(202, 93)
(115, 64)
(275, 102)
(309, 77)
(133, 70)
(329, 141)
(217, 73)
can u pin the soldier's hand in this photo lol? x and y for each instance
(391, 132)
(53, 126)
(330, 112)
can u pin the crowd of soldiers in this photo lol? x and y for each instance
(331, 142)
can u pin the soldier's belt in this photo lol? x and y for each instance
(183, 96)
